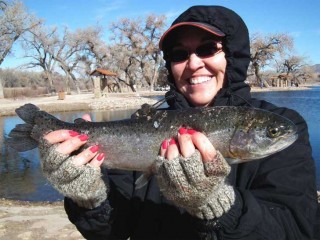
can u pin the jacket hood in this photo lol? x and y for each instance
(236, 46)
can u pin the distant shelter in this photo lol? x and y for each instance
(104, 81)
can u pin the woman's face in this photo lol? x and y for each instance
(198, 78)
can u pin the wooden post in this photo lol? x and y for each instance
(61, 95)
(96, 87)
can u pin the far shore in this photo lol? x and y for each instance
(87, 101)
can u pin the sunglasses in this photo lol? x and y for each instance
(203, 51)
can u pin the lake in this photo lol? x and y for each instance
(21, 177)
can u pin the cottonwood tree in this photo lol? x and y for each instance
(121, 62)
(264, 49)
(15, 20)
(38, 46)
(72, 52)
(137, 39)
(81, 46)
(66, 54)
(296, 66)
(93, 52)
(94, 49)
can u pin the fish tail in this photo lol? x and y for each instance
(20, 137)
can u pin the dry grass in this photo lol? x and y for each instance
(16, 93)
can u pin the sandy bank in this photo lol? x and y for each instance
(78, 102)
(24, 220)
(83, 102)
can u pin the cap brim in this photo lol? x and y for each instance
(203, 26)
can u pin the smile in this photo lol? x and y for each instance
(198, 80)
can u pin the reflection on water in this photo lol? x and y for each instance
(20, 174)
(21, 177)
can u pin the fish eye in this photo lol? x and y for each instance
(274, 132)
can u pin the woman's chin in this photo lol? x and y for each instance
(200, 102)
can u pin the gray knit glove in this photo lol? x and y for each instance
(83, 184)
(200, 188)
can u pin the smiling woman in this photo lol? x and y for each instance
(197, 63)
(198, 194)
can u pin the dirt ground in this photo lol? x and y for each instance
(24, 220)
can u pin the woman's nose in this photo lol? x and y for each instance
(194, 62)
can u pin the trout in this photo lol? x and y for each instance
(240, 133)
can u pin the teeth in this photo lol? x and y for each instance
(197, 80)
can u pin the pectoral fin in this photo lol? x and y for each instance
(142, 180)
(234, 160)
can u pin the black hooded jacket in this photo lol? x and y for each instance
(275, 197)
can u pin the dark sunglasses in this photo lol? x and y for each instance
(203, 51)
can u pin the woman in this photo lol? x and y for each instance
(195, 193)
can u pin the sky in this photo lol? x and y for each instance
(300, 19)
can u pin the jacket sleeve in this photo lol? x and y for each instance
(275, 197)
(110, 220)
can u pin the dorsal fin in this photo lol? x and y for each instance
(79, 121)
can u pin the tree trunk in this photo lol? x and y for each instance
(257, 73)
(1, 90)
(50, 82)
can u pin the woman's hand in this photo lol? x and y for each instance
(69, 141)
(192, 174)
(188, 141)
(77, 176)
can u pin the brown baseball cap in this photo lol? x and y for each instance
(201, 25)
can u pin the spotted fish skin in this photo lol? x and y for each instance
(239, 133)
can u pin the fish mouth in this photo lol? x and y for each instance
(200, 79)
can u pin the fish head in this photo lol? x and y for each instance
(261, 134)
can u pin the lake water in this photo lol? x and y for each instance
(21, 177)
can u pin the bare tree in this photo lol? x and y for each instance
(94, 50)
(36, 46)
(265, 48)
(138, 39)
(296, 66)
(82, 45)
(14, 22)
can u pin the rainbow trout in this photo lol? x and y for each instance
(240, 133)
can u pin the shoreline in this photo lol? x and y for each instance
(80, 102)
(87, 102)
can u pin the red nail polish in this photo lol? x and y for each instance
(94, 149)
(183, 130)
(172, 141)
(73, 133)
(191, 131)
(100, 156)
(83, 137)
(164, 144)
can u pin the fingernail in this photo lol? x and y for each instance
(83, 137)
(73, 133)
(183, 130)
(164, 144)
(100, 156)
(172, 141)
(191, 131)
(94, 149)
